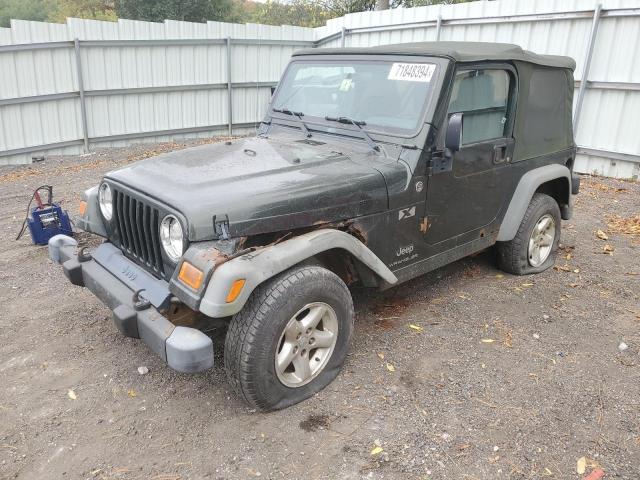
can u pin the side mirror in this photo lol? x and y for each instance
(453, 135)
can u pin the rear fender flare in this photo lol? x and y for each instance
(260, 265)
(523, 194)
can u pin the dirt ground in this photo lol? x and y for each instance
(465, 373)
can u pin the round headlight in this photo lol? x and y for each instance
(106, 201)
(172, 238)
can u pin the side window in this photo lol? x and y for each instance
(482, 96)
(549, 110)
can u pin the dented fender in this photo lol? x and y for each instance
(257, 266)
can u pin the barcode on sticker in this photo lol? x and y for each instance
(413, 72)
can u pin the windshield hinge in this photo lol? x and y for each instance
(439, 163)
(221, 227)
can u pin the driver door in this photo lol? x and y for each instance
(465, 199)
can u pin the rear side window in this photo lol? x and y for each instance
(543, 118)
(483, 97)
(547, 108)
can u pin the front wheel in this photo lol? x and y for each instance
(534, 247)
(290, 339)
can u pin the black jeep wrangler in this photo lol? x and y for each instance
(373, 165)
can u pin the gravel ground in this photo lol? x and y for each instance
(465, 373)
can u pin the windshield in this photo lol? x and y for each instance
(381, 95)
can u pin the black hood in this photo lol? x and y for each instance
(261, 184)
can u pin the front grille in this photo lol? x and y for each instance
(138, 230)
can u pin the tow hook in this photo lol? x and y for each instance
(83, 256)
(139, 302)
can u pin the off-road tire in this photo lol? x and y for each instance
(254, 334)
(513, 255)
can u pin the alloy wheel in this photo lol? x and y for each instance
(541, 240)
(306, 344)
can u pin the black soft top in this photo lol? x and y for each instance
(457, 51)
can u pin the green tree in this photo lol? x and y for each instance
(338, 8)
(303, 13)
(306, 13)
(38, 10)
(186, 10)
(342, 7)
(94, 9)
(422, 3)
(313, 13)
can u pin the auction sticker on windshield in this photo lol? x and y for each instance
(412, 72)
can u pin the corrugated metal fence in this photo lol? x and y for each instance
(158, 81)
(118, 82)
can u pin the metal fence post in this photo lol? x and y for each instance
(343, 35)
(83, 105)
(587, 65)
(438, 27)
(229, 87)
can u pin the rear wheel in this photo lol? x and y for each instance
(534, 247)
(291, 338)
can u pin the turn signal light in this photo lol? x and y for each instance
(82, 208)
(235, 290)
(191, 276)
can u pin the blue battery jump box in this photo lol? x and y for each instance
(47, 222)
(46, 219)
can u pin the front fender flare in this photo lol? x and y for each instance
(523, 194)
(258, 266)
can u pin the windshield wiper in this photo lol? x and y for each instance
(298, 115)
(359, 124)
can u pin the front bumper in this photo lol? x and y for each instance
(109, 275)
